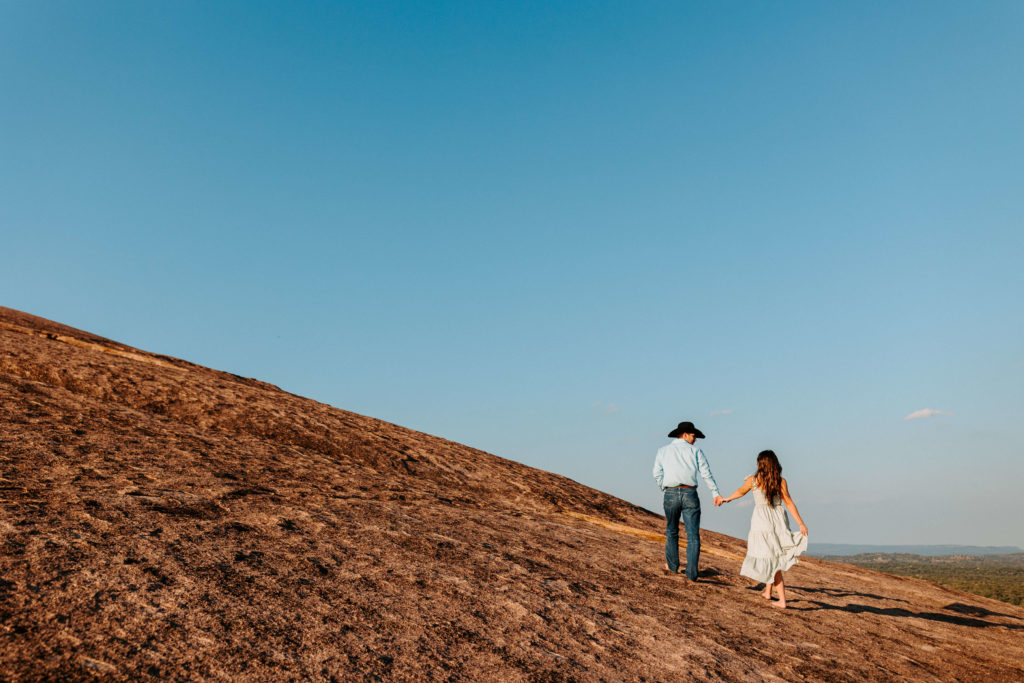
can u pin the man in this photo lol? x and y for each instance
(675, 469)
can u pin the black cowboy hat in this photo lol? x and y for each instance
(686, 428)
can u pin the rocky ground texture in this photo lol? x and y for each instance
(162, 520)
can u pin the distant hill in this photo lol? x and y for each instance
(1000, 577)
(827, 549)
(164, 521)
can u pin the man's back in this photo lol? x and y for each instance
(678, 464)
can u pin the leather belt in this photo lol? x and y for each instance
(681, 486)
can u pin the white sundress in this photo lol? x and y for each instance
(771, 546)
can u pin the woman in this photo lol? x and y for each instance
(771, 547)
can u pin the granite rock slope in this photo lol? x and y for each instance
(162, 520)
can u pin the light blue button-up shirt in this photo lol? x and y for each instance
(679, 462)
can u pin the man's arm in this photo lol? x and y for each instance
(659, 471)
(709, 479)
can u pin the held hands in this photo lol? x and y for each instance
(719, 500)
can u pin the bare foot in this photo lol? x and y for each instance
(767, 595)
(780, 605)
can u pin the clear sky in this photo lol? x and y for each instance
(554, 230)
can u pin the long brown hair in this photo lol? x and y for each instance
(769, 475)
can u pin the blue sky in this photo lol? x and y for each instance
(553, 230)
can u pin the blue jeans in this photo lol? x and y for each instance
(682, 503)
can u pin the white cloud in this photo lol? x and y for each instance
(611, 408)
(722, 412)
(927, 412)
(607, 408)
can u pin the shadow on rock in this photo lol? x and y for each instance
(854, 608)
(976, 611)
(840, 593)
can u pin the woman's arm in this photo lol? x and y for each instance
(741, 491)
(791, 504)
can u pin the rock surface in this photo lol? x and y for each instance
(162, 520)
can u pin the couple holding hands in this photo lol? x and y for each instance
(771, 547)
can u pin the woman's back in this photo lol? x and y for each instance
(760, 499)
